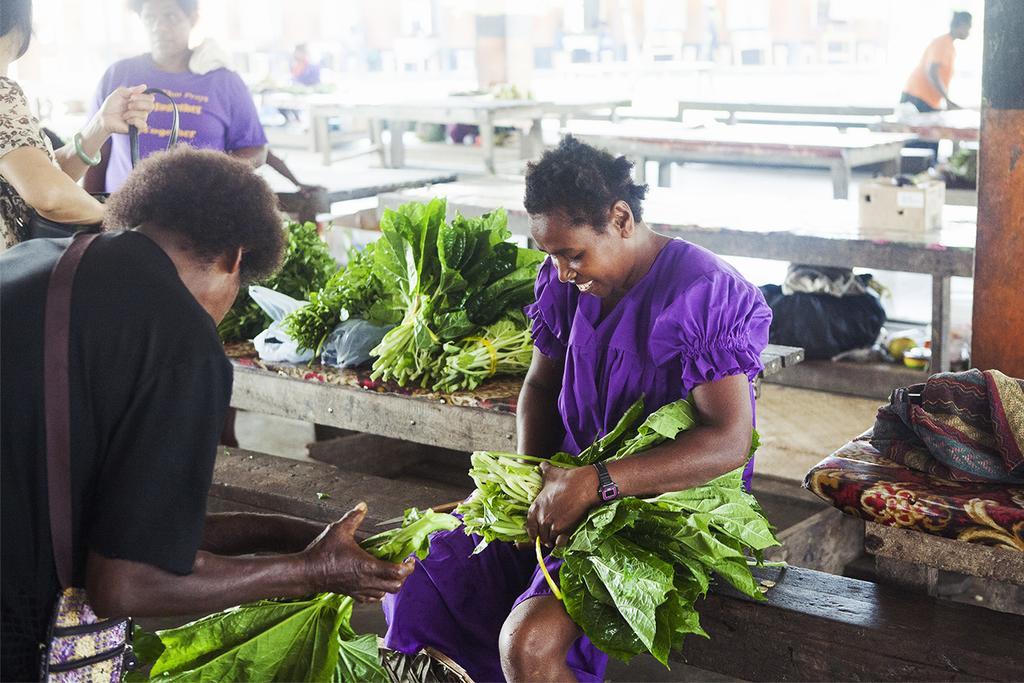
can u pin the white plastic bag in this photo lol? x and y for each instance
(274, 344)
(349, 345)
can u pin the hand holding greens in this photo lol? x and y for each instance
(289, 640)
(634, 569)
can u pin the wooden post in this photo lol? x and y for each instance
(998, 327)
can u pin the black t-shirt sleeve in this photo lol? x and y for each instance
(151, 491)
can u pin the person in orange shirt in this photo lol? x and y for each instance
(929, 81)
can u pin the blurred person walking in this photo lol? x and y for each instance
(928, 84)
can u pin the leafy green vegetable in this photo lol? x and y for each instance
(290, 640)
(454, 292)
(306, 267)
(633, 569)
(351, 292)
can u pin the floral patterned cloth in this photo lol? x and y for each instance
(859, 481)
(18, 128)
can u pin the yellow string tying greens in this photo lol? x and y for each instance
(544, 570)
(490, 349)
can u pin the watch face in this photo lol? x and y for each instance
(609, 492)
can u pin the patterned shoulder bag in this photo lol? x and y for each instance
(80, 646)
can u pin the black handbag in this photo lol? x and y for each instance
(39, 227)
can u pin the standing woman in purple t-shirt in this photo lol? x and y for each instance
(621, 313)
(217, 111)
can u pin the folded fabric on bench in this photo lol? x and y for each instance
(861, 482)
(963, 426)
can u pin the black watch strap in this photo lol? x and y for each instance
(603, 478)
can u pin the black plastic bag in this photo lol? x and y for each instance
(824, 325)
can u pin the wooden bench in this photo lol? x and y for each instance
(838, 116)
(335, 398)
(247, 481)
(819, 627)
(339, 186)
(669, 143)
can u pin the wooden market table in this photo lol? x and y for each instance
(669, 142)
(482, 111)
(959, 125)
(483, 419)
(342, 186)
(789, 113)
(821, 232)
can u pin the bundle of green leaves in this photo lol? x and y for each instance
(455, 292)
(504, 348)
(633, 569)
(287, 640)
(453, 279)
(306, 267)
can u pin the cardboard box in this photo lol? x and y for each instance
(917, 206)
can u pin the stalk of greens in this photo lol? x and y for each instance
(306, 268)
(504, 348)
(633, 569)
(288, 640)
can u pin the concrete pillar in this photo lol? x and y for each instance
(998, 329)
(504, 50)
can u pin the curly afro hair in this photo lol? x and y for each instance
(583, 182)
(214, 203)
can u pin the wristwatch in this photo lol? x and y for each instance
(607, 490)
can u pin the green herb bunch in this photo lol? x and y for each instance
(306, 267)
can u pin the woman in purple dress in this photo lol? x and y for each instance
(621, 312)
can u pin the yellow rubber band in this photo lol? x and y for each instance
(490, 348)
(544, 571)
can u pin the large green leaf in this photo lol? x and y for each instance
(359, 661)
(264, 641)
(637, 580)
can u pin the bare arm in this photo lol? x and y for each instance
(933, 78)
(122, 108)
(720, 444)
(94, 139)
(254, 156)
(538, 423)
(96, 176)
(334, 562)
(47, 189)
(240, 533)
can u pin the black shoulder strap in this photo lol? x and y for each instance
(57, 402)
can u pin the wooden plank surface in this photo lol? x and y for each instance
(747, 139)
(258, 482)
(961, 125)
(344, 185)
(819, 627)
(785, 108)
(973, 559)
(409, 418)
(820, 231)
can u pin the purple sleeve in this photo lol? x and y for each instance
(244, 129)
(552, 313)
(717, 328)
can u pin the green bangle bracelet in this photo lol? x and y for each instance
(86, 159)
